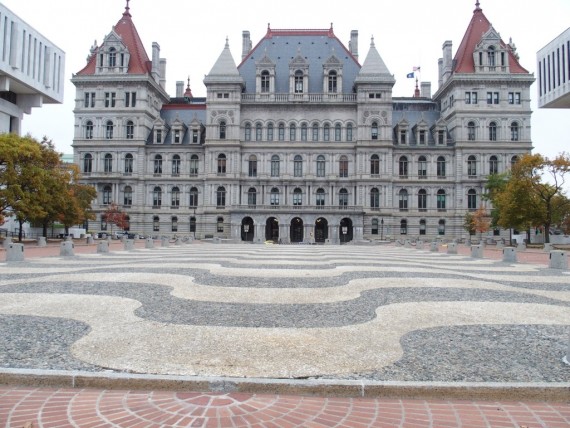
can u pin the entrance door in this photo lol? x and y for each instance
(345, 231)
(272, 229)
(247, 231)
(296, 230)
(321, 230)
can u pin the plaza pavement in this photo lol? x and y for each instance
(205, 334)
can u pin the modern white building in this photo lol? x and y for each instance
(302, 140)
(553, 65)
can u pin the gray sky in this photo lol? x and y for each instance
(192, 35)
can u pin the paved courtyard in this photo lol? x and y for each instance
(369, 314)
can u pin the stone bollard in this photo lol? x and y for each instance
(69, 238)
(509, 255)
(521, 246)
(149, 243)
(407, 244)
(500, 244)
(129, 244)
(66, 249)
(434, 246)
(103, 247)
(89, 240)
(42, 241)
(558, 259)
(15, 253)
(420, 245)
(452, 248)
(178, 241)
(7, 242)
(165, 242)
(548, 248)
(477, 251)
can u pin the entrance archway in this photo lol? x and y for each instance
(321, 230)
(272, 229)
(345, 230)
(247, 230)
(296, 230)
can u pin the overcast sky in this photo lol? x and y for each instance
(192, 35)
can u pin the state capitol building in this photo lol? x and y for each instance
(301, 140)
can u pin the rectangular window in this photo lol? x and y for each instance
(194, 136)
(130, 99)
(110, 99)
(467, 97)
(495, 98)
(89, 99)
(422, 137)
(159, 136)
(177, 136)
(440, 137)
(402, 137)
(489, 98)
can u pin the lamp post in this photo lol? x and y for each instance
(382, 229)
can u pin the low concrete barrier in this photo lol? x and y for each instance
(558, 259)
(67, 249)
(509, 255)
(477, 251)
(103, 247)
(149, 243)
(452, 248)
(129, 244)
(42, 241)
(165, 242)
(15, 252)
(434, 246)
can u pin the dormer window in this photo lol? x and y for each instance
(298, 82)
(158, 136)
(112, 57)
(265, 81)
(333, 82)
(491, 56)
(177, 136)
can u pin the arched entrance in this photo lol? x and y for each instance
(296, 230)
(247, 230)
(345, 230)
(321, 230)
(272, 229)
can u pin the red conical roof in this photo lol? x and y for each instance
(478, 26)
(139, 62)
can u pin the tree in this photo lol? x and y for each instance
(468, 224)
(114, 215)
(533, 194)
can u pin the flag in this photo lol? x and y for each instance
(417, 68)
(410, 75)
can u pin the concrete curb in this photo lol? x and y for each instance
(487, 391)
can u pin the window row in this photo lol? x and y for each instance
(292, 132)
(299, 81)
(493, 131)
(492, 97)
(441, 166)
(275, 166)
(158, 164)
(109, 100)
(109, 130)
(422, 227)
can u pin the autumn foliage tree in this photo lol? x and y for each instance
(113, 215)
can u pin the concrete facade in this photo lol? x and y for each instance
(553, 65)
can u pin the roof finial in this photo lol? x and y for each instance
(227, 42)
(477, 4)
(127, 8)
(372, 42)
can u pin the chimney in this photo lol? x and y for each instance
(440, 72)
(426, 89)
(179, 89)
(447, 61)
(353, 44)
(162, 81)
(155, 61)
(246, 44)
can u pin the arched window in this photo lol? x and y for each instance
(221, 197)
(128, 164)
(274, 196)
(265, 81)
(349, 132)
(375, 165)
(247, 135)
(514, 160)
(320, 166)
(343, 167)
(326, 132)
(441, 199)
(88, 163)
(332, 81)
(221, 163)
(315, 132)
(112, 57)
(155, 224)
(298, 82)
(304, 132)
(441, 227)
(343, 197)
(422, 227)
(157, 196)
(422, 200)
(298, 166)
(320, 197)
(175, 197)
(471, 166)
(403, 200)
(158, 164)
(258, 132)
(174, 224)
(441, 166)
(493, 165)
(252, 197)
(297, 197)
(514, 131)
(292, 132)
(107, 195)
(252, 166)
(374, 198)
(222, 130)
(422, 167)
(176, 165)
(130, 130)
(374, 131)
(109, 130)
(281, 131)
(337, 132)
(275, 166)
(403, 166)
(193, 197)
(194, 164)
(403, 227)
(493, 131)
(128, 196)
(88, 130)
(269, 132)
(108, 163)
(471, 131)
(472, 199)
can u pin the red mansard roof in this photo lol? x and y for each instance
(478, 26)
(139, 62)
